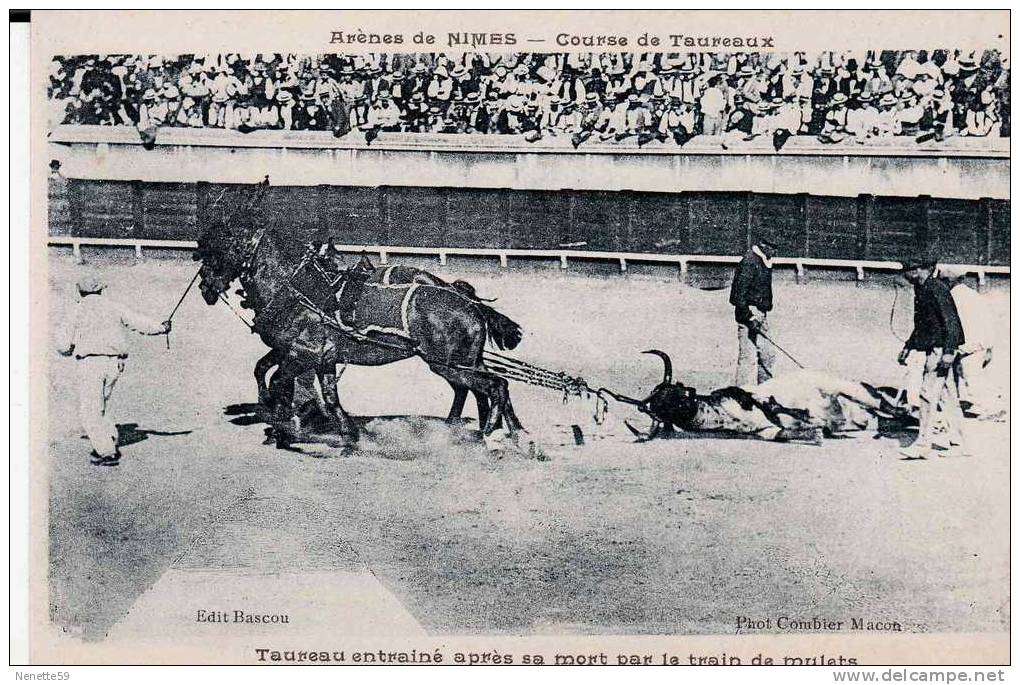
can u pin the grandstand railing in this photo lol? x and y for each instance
(896, 146)
(683, 262)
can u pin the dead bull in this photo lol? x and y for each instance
(674, 406)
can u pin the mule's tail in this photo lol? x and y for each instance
(504, 332)
(467, 290)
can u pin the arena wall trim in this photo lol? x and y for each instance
(966, 168)
(682, 262)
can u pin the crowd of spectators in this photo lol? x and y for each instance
(833, 96)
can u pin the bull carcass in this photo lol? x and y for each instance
(803, 406)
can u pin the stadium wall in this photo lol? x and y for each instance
(866, 227)
(436, 191)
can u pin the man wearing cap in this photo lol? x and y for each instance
(938, 333)
(751, 297)
(96, 340)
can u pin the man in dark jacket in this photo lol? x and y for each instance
(938, 333)
(751, 297)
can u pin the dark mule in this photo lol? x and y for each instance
(503, 332)
(295, 315)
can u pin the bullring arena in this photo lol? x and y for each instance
(420, 529)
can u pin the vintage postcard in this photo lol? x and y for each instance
(560, 337)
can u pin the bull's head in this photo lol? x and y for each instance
(670, 404)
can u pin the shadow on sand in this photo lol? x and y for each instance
(130, 434)
(392, 437)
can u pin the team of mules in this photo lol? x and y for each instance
(316, 313)
(397, 314)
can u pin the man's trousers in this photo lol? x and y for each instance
(97, 375)
(755, 356)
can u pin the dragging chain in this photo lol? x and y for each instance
(531, 374)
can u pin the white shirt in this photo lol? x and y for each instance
(973, 310)
(97, 327)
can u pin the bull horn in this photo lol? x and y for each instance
(667, 363)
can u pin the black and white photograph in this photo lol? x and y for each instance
(382, 342)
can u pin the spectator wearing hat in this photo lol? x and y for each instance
(310, 115)
(751, 297)
(787, 116)
(193, 84)
(514, 118)
(416, 114)
(613, 118)
(476, 113)
(834, 129)
(888, 123)
(936, 123)
(687, 87)
(965, 89)
(151, 115)
(352, 94)
(862, 119)
(223, 88)
(86, 88)
(285, 109)
(938, 334)
(877, 80)
(637, 119)
(96, 340)
(754, 89)
(910, 114)
(678, 121)
(551, 116)
(822, 95)
(338, 114)
(975, 383)
(589, 116)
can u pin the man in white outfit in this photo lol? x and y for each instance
(976, 384)
(97, 342)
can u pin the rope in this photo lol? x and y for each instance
(892, 314)
(184, 294)
(178, 305)
(777, 346)
(236, 313)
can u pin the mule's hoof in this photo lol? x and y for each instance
(496, 440)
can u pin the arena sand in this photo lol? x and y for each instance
(679, 536)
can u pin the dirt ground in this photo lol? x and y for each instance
(678, 536)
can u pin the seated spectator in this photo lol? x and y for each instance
(888, 121)
(982, 121)
(609, 97)
(835, 128)
(310, 115)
